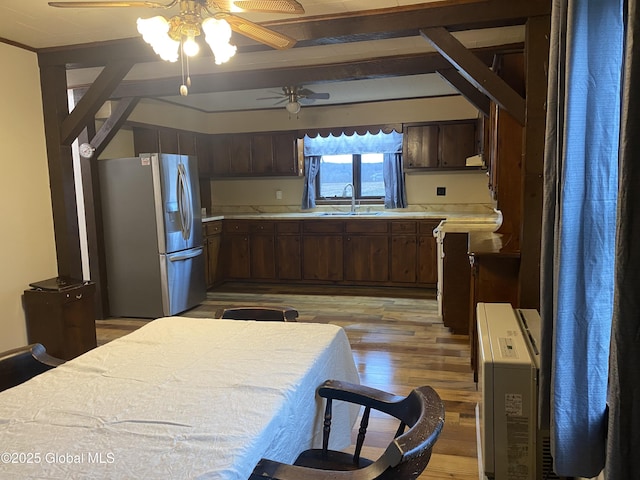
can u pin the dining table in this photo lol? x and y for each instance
(179, 398)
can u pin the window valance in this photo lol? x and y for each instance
(347, 144)
(360, 130)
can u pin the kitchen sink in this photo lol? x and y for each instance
(349, 214)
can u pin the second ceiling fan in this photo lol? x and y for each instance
(296, 96)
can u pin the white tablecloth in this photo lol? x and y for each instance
(178, 398)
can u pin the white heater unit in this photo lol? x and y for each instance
(512, 447)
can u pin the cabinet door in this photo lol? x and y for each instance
(261, 154)
(427, 260)
(455, 291)
(285, 154)
(404, 258)
(237, 261)
(204, 154)
(263, 257)
(220, 154)
(289, 257)
(420, 146)
(322, 256)
(168, 141)
(240, 154)
(145, 140)
(186, 143)
(456, 142)
(212, 252)
(366, 258)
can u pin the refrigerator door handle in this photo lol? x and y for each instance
(184, 202)
(178, 257)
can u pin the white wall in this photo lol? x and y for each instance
(27, 248)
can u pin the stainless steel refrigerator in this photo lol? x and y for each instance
(152, 234)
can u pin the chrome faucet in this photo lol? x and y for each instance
(353, 196)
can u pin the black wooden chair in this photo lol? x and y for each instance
(281, 314)
(405, 458)
(21, 364)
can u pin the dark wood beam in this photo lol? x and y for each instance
(476, 72)
(402, 65)
(99, 92)
(466, 89)
(63, 193)
(537, 63)
(408, 21)
(369, 25)
(110, 127)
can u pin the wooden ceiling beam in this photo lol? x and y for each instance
(98, 93)
(466, 89)
(331, 29)
(112, 124)
(401, 65)
(476, 72)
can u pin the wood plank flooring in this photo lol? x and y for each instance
(398, 343)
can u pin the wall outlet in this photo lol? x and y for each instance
(441, 191)
(278, 194)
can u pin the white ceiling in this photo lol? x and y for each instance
(34, 24)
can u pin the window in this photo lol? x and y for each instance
(362, 171)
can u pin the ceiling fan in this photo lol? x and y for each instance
(296, 97)
(193, 13)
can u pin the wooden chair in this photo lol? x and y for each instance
(21, 364)
(282, 314)
(404, 458)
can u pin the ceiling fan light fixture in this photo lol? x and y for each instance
(217, 34)
(155, 31)
(190, 47)
(293, 107)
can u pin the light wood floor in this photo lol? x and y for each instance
(398, 343)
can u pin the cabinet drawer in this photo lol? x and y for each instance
(261, 227)
(288, 227)
(323, 226)
(403, 227)
(236, 226)
(212, 228)
(367, 226)
(427, 227)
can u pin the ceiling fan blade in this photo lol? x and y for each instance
(306, 93)
(257, 32)
(270, 6)
(319, 96)
(110, 4)
(269, 98)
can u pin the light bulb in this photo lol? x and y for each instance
(190, 47)
(293, 107)
(155, 31)
(217, 34)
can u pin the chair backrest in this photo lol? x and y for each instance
(405, 458)
(282, 314)
(410, 451)
(23, 363)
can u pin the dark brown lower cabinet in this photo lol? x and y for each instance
(356, 251)
(289, 255)
(62, 320)
(237, 264)
(404, 259)
(366, 258)
(455, 285)
(322, 257)
(263, 256)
